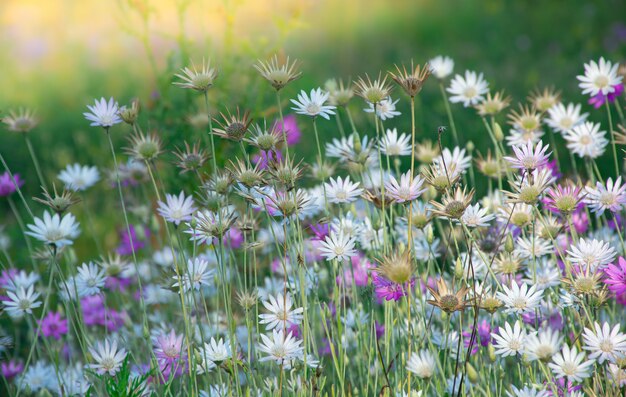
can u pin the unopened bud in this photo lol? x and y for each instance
(458, 268)
(470, 146)
(492, 353)
(497, 132)
(472, 375)
(509, 246)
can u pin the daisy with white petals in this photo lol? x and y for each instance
(599, 77)
(469, 89)
(342, 190)
(474, 216)
(385, 109)
(520, 299)
(393, 145)
(103, 114)
(509, 341)
(604, 343)
(586, 140)
(611, 197)
(563, 119)
(422, 364)
(54, 230)
(21, 301)
(591, 254)
(280, 348)
(281, 316)
(177, 209)
(313, 105)
(337, 246)
(441, 66)
(405, 190)
(108, 358)
(571, 365)
(79, 178)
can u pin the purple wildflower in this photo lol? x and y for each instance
(137, 243)
(53, 325)
(616, 277)
(290, 126)
(7, 184)
(598, 100)
(170, 354)
(11, 368)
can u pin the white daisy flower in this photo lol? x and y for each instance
(533, 247)
(520, 299)
(21, 302)
(509, 341)
(393, 145)
(441, 66)
(21, 279)
(337, 246)
(313, 105)
(216, 351)
(177, 209)
(519, 137)
(469, 89)
(591, 254)
(103, 114)
(586, 140)
(108, 358)
(79, 178)
(526, 391)
(406, 190)
(54, 230)
(455, 161)
(385, 109)
(348, 225)
(604, 343)
(422, 364)
(198, 274)
(281, 316)
(569, 364)
(280, 347)
(342, 190)
(39, 376)
(90, 279)
(611, 197)
(546, 275)
(474, 216)
(600, 77)
(563, 119)
(529, 156)
(544, 345)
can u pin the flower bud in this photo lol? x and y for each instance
(472, 375)
(497, 132)
(492, 353)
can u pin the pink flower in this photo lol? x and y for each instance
(355, 272)
(233, 238)
(290, 126)
(170, 354)
(616, 277)
(53, 325)
(388, 290)
(7, 184)
(598, 100)
(11, 368)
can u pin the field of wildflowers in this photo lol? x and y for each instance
(327, 242)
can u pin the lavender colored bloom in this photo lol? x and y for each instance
(379, 329)
(170, 354)
(388, 290)
(7, 276)
(137, 243)
(290, 126)
(7, 184)
(11, 368)
(355, 272)
(53, 325)
(264, 157)
(95, 313)
(233, 238)
(616, 277)
(599, 99)
(321, 230)
(482, 336)
(563, 388)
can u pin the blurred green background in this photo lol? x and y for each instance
(57, 56)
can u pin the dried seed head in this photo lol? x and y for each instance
(265, 139)
(372, 91)
(197, 79)
(233, 126)
(340, 94)
(278, 73)
(544, 100)
(144, 147)
(59, 203)
(248, 175)
(129, 115)
(413, 80)
(397, 267)
(23, 120)
(453, 206)
(426, 152)
(190, 159)
(492, 105)
(526, 119)
(285, 172)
